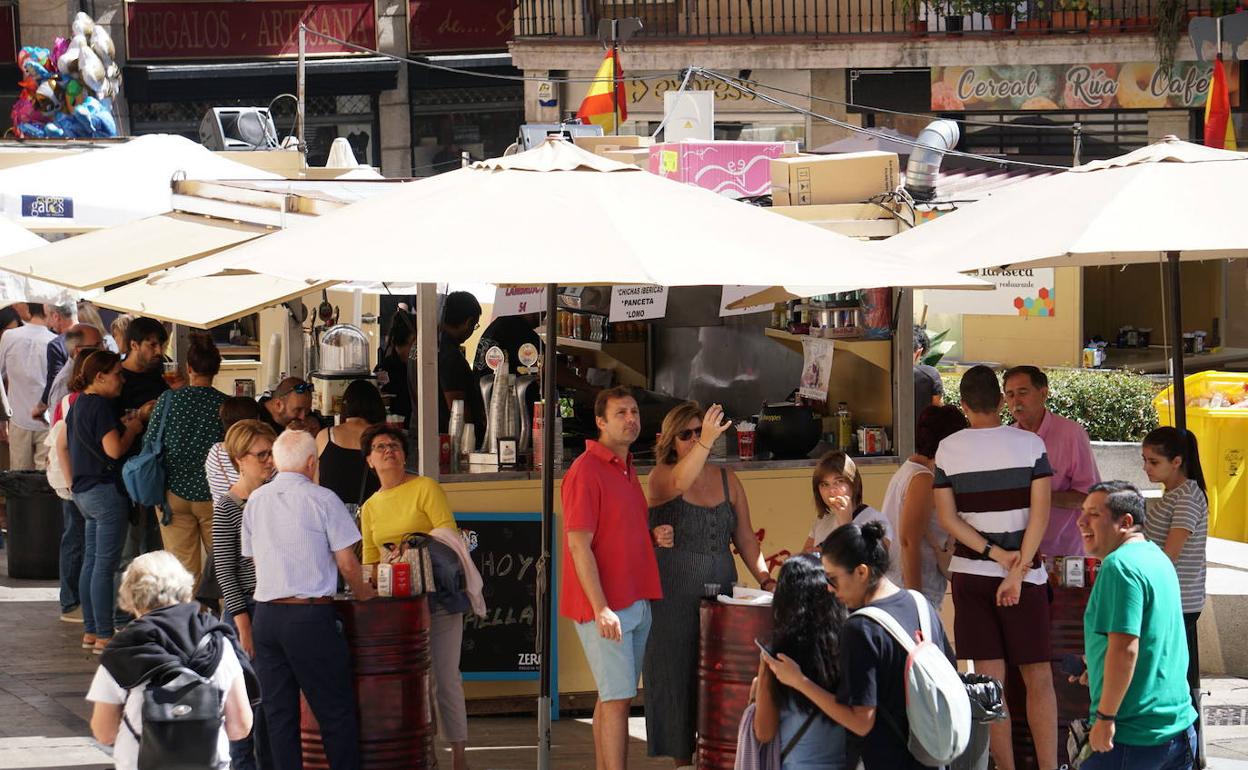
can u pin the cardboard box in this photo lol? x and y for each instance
(593, 143)
(851, 177)
(636, 156)
(735, 169)
(855, 220)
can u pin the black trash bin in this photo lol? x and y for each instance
(35, 519)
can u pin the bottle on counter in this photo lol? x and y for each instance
(844, 427)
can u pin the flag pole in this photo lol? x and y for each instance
(615, 80)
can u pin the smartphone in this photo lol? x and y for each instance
(1073, 665)
(764, 649)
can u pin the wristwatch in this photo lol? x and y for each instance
(987, 552)
(1103, 717)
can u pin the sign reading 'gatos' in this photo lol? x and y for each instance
(1102, 86)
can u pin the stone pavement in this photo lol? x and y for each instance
(44, 719)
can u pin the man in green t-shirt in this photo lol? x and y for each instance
(1133, 634)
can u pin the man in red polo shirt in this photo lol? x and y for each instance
(609, 569)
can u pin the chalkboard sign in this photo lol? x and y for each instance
(505, 547)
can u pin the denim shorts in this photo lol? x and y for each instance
(617, 665)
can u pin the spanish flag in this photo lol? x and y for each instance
(598, 108)
(1219, 130)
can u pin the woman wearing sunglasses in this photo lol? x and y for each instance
(407, 504)
(697, 513)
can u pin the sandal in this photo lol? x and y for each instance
(88, 641)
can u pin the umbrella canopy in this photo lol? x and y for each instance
(107, 187)
(19, 288)
(1172, 196)
(559, 214)
(1171, 200)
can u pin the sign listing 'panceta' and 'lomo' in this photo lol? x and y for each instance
(1099, 86)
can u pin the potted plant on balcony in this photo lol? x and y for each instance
(1000, 13)
(1104, 21)
(917, 27)
(954, 12)
(1037, 21)
(1071, 15)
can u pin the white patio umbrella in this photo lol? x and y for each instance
(560, 215)
(101, 188)
(1170, 201)
(19, 288)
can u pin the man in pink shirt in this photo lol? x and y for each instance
(1070, 455)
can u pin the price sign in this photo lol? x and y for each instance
(518, 300)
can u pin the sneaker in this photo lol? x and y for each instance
(73, 616)
(88, 641)
(99, 646)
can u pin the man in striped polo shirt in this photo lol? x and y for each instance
(992, 494)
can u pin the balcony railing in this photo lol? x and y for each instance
(711, 19)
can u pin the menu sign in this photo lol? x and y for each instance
(8, 34)
(638, 302)
(243, 30)
(459, 25)
(1101, 86)
(505, 548)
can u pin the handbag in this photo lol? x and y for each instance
(436, 571)
(144, 474)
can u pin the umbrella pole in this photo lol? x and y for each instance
(545, 594)
(1178, 395)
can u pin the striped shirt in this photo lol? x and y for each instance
(236, 574)
(1184, 507)
(219, 471)
(990, 471)
(291, 529)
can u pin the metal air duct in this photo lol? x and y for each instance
(938, 137)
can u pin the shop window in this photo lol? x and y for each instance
(1049, 135)
(480, 120)
(326, 117)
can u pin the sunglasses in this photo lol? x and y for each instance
(301, 388)
(689, 433)
(262, 455)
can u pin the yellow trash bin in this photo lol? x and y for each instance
(1222, 434)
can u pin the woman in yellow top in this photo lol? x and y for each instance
(406, 504)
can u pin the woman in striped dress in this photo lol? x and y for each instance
(704, 512)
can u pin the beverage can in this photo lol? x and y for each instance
(1092, 567)
(402, 579)
(385, 579)
(844, 427)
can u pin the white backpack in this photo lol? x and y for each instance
(937, 705)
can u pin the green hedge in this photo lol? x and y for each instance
(1110, 405)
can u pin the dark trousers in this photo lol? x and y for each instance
(1193, 649)
(252, 752)
(299, 647)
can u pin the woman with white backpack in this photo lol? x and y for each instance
(870, 699)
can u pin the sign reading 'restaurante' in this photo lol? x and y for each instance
(245, 30)
(1103, 86)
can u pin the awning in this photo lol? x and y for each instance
(205, 302)
(117, 254)
(258, 79)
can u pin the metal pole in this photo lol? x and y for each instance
(615, 63)
(301, 83)
(427, 380)
(1078, 145)
(545, 594)
(1178, 395)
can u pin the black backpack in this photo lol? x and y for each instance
(182, 716)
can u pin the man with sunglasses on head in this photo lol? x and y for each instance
(289, 406)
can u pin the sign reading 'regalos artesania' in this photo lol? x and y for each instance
(237, 30)
(1101, 86)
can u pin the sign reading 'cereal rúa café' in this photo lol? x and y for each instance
(241, 30)
(1102, 86)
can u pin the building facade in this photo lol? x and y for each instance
(180, 58)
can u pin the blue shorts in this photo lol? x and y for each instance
(617, 665)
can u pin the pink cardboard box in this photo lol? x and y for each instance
(735, 169)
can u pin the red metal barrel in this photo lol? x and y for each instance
(389, 641)
(1066, 612)
(727, 664)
